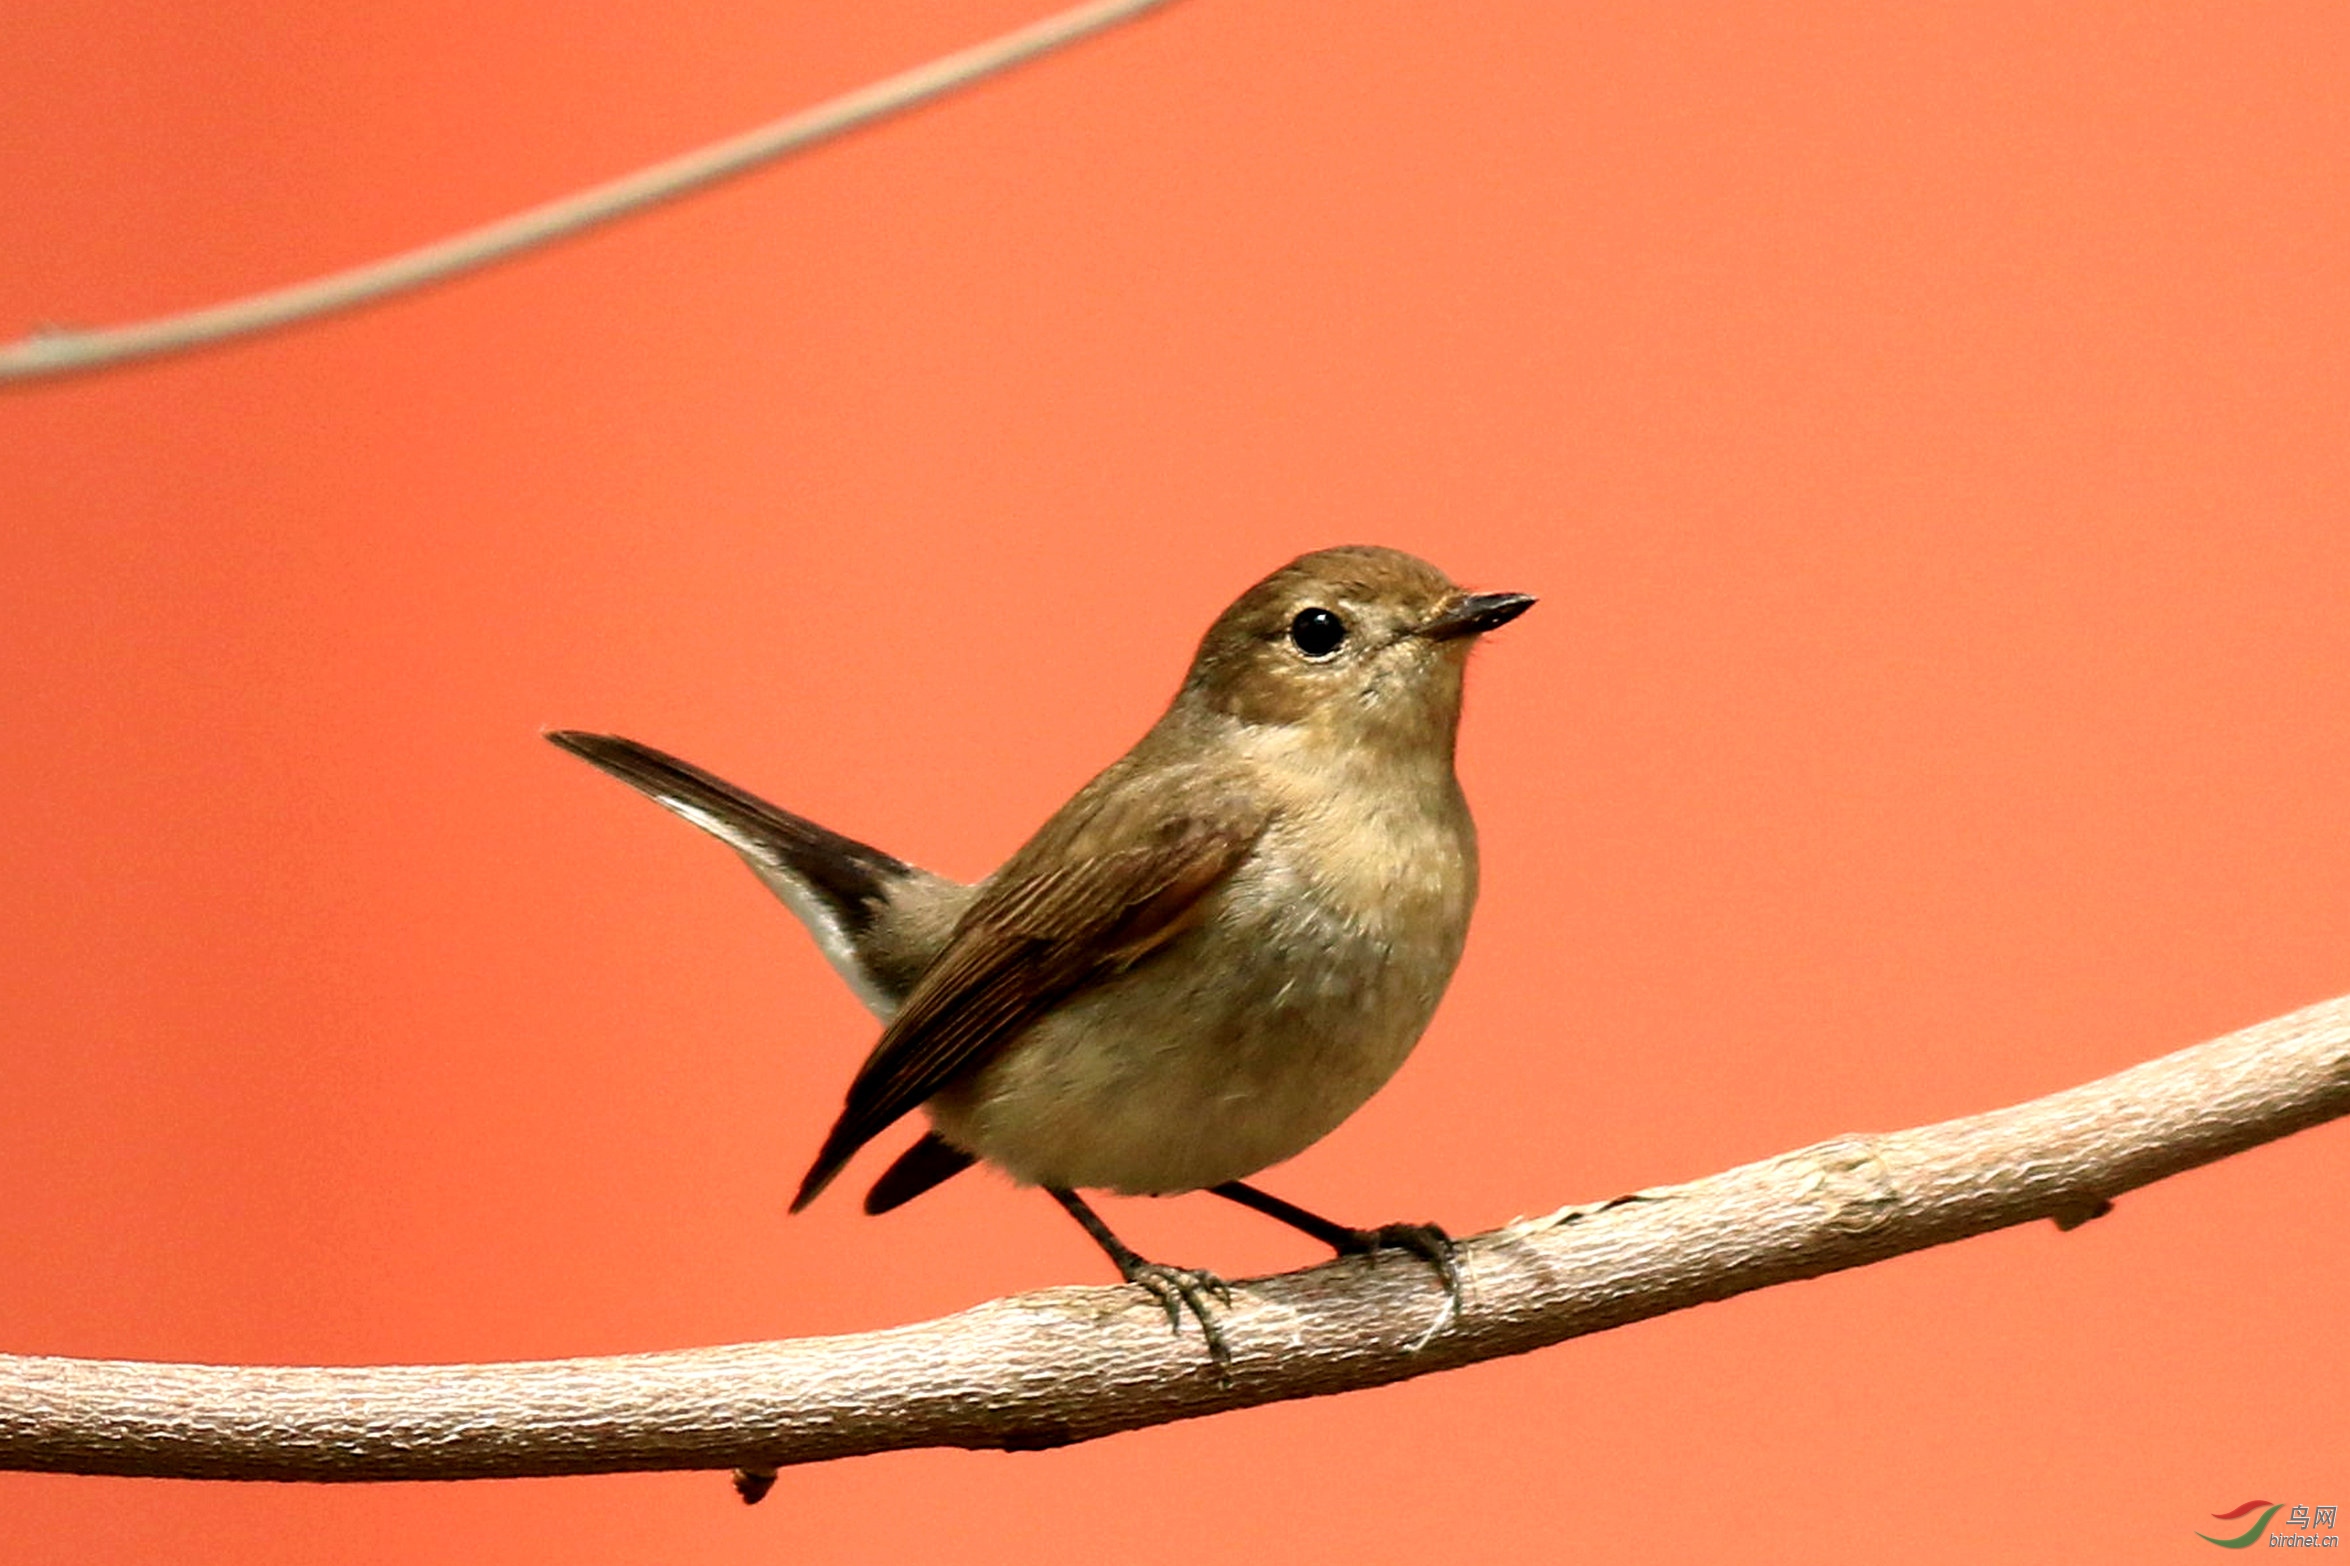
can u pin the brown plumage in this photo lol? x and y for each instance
(1207, 959)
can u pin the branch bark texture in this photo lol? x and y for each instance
(58, 350)
(1071, 1364)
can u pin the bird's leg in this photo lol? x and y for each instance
(1177, 1288)
(1423, 1240)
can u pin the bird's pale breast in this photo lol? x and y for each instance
(1293, 999)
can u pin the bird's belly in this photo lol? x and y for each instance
(1154, 1082)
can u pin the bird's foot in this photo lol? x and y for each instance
(1179, 1289)
(1424, 1240)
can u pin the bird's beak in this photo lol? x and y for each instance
(1473, 614)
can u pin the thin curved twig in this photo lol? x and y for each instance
(1067, 1365)
(58, 351)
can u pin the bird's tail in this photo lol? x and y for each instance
(844, 891)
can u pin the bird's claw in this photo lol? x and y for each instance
(1424, 1240)
(1187, 1288)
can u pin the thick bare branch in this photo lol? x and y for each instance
(1068, 1365)
(65, 351)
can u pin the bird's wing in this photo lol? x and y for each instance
(1048, 925)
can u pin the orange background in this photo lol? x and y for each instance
(1925, 428)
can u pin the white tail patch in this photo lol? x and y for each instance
(832, 938)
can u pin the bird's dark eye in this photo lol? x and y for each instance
(1317, 632)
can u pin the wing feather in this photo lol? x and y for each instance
(1048, 926)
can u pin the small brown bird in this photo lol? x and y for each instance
(1207, 959)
